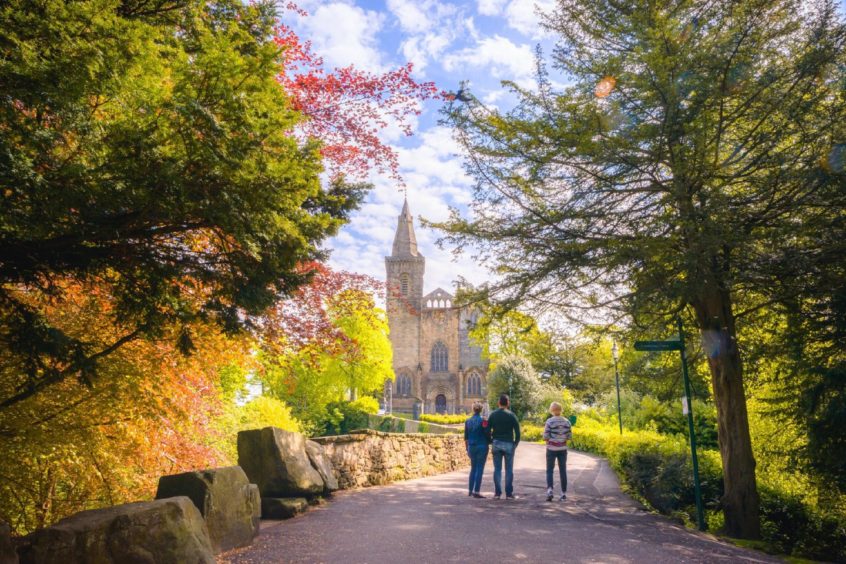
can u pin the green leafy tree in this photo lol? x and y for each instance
(357, 361)
(696, 148)
(502, 332)
(147, 146)
(517, 377)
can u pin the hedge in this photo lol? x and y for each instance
(444, 419)
(657, 468)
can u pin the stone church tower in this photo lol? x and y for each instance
(437, 367)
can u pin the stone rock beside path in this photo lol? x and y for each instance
(255, 505)
(225, 500)
(321, 463)
(278, 463)
(8, 554)
(165, 531)
(282, 508)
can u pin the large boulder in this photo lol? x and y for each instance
(8, 555)
(146, 532)
(225, 500)
(282, 507)
(323, 465)
(277, 462)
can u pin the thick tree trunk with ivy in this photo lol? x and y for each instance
(740, 498)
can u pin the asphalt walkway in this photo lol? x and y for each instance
(433, 520)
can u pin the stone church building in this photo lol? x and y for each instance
(438, 369)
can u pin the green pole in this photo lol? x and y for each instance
(700, 516)
(617, 379)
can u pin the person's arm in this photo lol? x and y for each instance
(466, 440)
(546, 430)
(568, 432)
(516, 430)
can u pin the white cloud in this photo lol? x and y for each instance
(423, 48)
(490, 7)
(344, 34)
(411, 15)
(500, 56)
(519, 14)
(430, 27)
(493, 97)
(522, 15)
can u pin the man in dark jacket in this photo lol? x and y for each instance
(505, 432)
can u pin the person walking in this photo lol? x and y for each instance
(556, 432)
(476, 439)
(505, 434)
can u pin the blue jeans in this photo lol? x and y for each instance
(503, 449)
(561, 457)
(478, 456)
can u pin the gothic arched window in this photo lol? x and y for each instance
(403, 385)
(474, 385)
(440, 358)
(404, 284)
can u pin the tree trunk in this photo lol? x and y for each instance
(740, 499)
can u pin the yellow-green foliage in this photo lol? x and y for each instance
(531, 433)
(657, 468)
(261, 412)
(444, 419)
(366, 404)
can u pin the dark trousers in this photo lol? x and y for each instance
(478, 456)
(561, 457)
(503, 450)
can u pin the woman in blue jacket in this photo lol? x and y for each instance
(476, 438)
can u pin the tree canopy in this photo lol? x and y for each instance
(170, 152)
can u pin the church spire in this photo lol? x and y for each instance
(405, 243)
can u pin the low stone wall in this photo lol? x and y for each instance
(370, 458)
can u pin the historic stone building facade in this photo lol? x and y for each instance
(438, 369)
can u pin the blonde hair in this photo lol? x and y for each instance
(477, 407)
(553, 406)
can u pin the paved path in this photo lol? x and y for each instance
(433, 520)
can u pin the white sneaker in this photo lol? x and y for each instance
(548, 494)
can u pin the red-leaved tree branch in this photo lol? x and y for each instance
(347, 107)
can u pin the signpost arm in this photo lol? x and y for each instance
(700, 517)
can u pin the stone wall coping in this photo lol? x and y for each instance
(362, 434)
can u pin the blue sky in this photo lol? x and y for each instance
(481, 41)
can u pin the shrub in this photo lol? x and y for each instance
(346, 416)
(444, 419)
(262, 411)
(657, 468)
(423, 427)
(550, 394)
(390, 424)
(531, 433)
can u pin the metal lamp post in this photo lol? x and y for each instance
(614, 353)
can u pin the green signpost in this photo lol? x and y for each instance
(678, 345)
